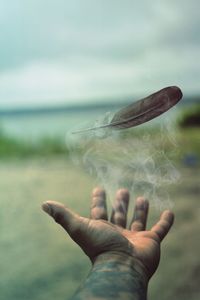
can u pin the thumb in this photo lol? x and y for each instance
(71, 222)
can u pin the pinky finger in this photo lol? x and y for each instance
(162, 227)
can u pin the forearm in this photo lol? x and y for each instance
(113, 279)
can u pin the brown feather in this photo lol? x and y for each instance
(143, 110)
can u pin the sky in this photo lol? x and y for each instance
(85, 51)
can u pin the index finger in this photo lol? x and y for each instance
(98, 205)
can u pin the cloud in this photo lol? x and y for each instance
(40, 82)
(82, 50)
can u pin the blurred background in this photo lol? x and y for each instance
(62, 64)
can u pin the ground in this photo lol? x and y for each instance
(39, 261)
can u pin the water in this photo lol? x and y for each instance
(34, 126)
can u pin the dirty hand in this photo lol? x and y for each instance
(102, 239)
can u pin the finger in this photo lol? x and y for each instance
(71, 222)
(162, 227)
(120, 207)
(140, 214)
(98, 205)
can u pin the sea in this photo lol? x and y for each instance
(36, 124)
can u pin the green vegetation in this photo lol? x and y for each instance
(190, 117)
(189, 141)
(185, 140)
(46, 146)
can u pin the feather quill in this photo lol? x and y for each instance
(143, 110)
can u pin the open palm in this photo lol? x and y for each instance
(98, 237)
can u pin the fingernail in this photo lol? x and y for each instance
(46, 207)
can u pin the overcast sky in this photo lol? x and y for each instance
(61, 51)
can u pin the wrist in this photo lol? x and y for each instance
(114, 276)
(108, 261)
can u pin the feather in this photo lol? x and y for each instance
(143, 110)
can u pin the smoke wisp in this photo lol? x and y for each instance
(135, 159)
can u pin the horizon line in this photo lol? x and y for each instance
(110, 103)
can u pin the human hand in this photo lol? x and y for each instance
(104, 240)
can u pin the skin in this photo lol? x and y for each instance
(123, 259)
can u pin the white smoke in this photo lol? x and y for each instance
(132, 158)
